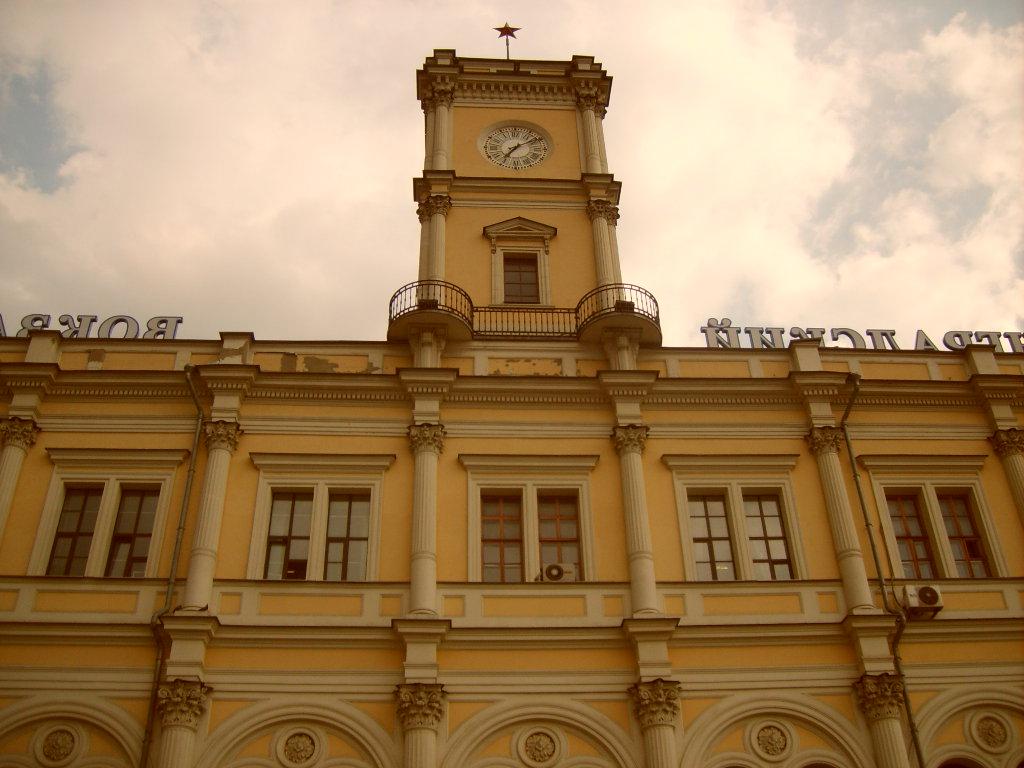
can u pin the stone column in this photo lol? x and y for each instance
(427, 442)
(420, 709)
(437, 207)
(444, 93)
(656, 705)
(429, 118)
(600, 111)
(881, 700)
(601, 212)
(423, 214)
(586, 99)
(181, 703)
(629, 442)
(16, 436)
(221, 441)
(825, 442)
(613, 240)
(1009, 444)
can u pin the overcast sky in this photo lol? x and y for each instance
(248, 165)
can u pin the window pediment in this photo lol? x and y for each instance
(519, 231)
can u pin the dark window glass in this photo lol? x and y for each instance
(288, 541)
(767, 535)
(74, 531)
(521, 284)
(501, 521)
(348, 533)
(712, 550)
(911, 537)
(963, 535)
(133, 528)
(558, 520)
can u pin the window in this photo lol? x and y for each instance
(103, 509)
(521, 286)
(736, 517)
(520, 249)
(934, 518)
(317, 517)
(527, 512)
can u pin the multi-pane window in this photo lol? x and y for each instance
(558, 519)
(348, 536)
(968, 552)
(912, 541)
(766, 534)
(521, 281)
(133, 529)
(709, 528)
(288, 540)
(75, 528)
(501, 524)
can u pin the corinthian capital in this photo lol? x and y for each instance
(602, 209)
(436, 204)
(426, 437)
(420, 705)
(1008, 442)
(18, 432)
(631, 437)
(423, 211)
(587, 96)
(442, 92)
(880, 696)
(825, 440)
(656, 702)
(222, 434)
(182, 702)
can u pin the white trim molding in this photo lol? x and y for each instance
(520, 236)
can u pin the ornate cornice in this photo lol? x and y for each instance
(656, 702)
(420, 705)
(18, 432)
(1008, 442)
(436, 204)
(879, 696)
(426, 437)
(825, 440)
(182, 702)
(222, 434)
(602, 209)
(631, 437)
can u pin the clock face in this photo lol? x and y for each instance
(515, 147)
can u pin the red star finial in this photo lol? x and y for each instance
(506, 32)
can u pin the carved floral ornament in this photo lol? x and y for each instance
(880, 696)
(825, 440)
(587, 96)
(656, 702)
(182, 702)
(1008, 442)
(631, 437)
(538, 746)
(222, 434)
(298, 747)
(58, 745)
(18, 432)
(433, 204)
(991, 731)
(602, 209)
(771, 740)
(426, 437)
(420, 705)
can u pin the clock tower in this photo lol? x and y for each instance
(518, 210)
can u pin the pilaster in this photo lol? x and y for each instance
(421, 707)
(17, 436)
(1009, 445)
(881, 700)
(421, 638)
(629, 442)
(656, 705)
(426, 442)
(181, 704)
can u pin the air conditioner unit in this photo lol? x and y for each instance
(558, 572)
(922, 599)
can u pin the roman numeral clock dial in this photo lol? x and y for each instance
(515, 147)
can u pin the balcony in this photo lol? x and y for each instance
(435, 302)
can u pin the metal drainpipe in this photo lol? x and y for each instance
(155, 622)
(901, 619)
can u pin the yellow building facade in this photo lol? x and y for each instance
(518, 532)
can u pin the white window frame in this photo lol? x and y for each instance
(321, 474)
(927, 477)
(112, 469)
(498, 273)
(530, 476)
(734, 477)
(520, 236)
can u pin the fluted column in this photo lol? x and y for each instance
(436, 208)
(181, 703)
(656, 704)
(221, 441)
(1009, 444)
(429, 118)
(600, 213)
(613, 240)
(824, 443)
(586, 99)
(427, 442)
(443, 93)
(423, 214)
(420, 709)
(629, 442)
(881, 699)
(16, 436)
